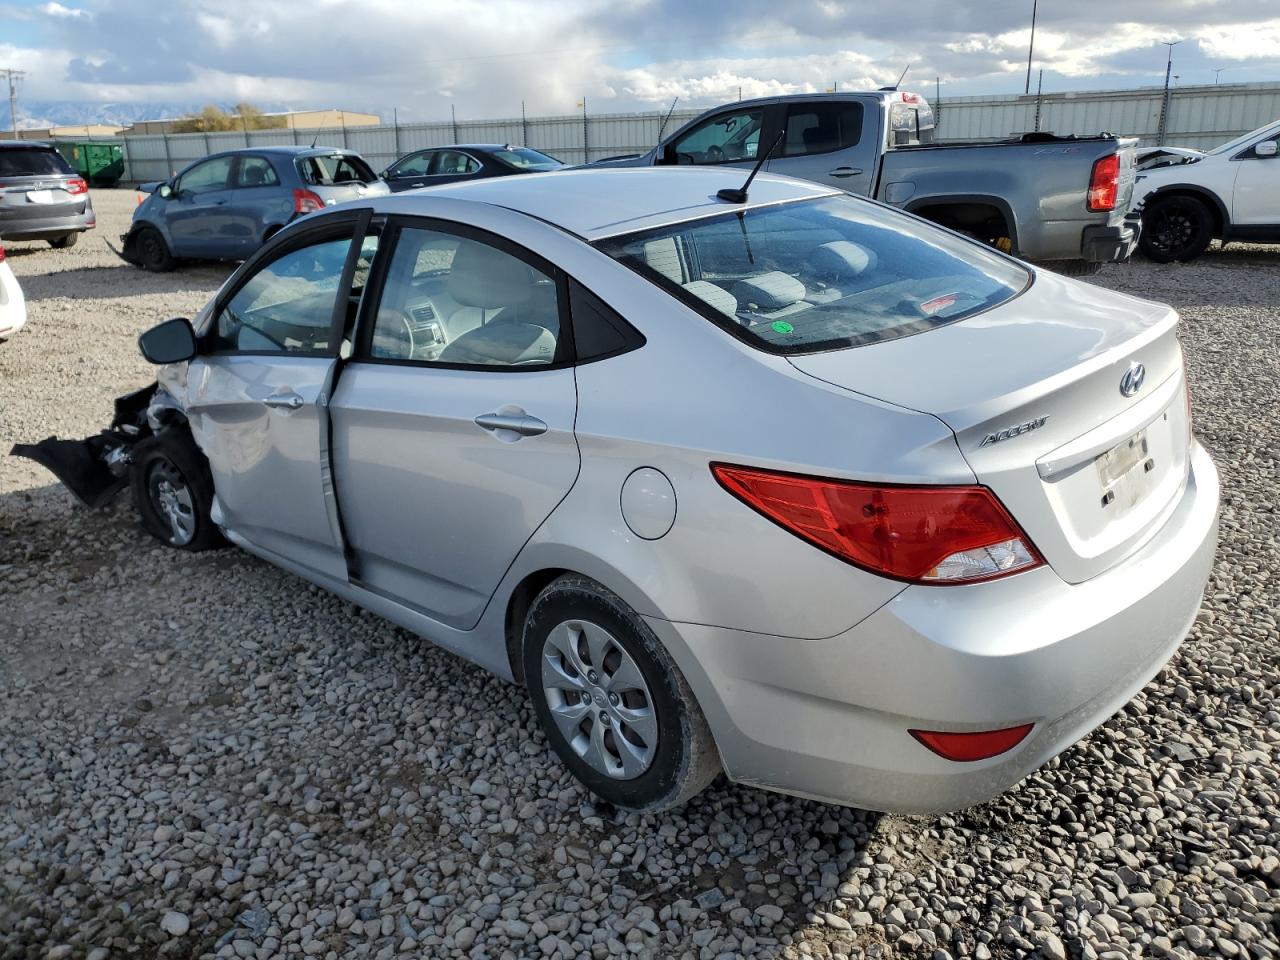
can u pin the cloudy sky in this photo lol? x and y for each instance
(485, 56)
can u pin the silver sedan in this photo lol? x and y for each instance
(793, 486)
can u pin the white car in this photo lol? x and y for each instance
(13, 308)
(1230, 193)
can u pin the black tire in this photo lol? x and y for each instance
(151, 250)
(1176, 228)
(176, 514)
(65, 243)
(685, 759)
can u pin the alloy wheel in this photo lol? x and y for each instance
(1174, 227)
(599, 699)
(173, 501)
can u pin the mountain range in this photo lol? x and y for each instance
(40, 114)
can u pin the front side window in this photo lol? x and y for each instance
(455, 300)
(822, 128)
(820, 274)
(452, 163)
(206, 177)
(414, 166)
(287, 305)
(725, 138)
(256, 172)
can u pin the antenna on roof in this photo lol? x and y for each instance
(730, 195)
(313, 140)
(899, 83)
(662, 129)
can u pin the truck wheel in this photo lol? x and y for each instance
(65, 243)
(1176, 228)
(611, 700)
(173, 491)
(152, 252)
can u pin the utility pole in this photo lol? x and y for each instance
(1164, 102)
(1217, 71)
(1031, 48)
(13, 76)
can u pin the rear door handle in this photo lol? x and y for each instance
(520, 423)
(843, 172)
(289, 400)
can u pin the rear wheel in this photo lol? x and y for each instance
(612, 702)
(173, 491)
(65, 243)
(1176, 228)
(151, 250)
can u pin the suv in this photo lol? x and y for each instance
(41, 197)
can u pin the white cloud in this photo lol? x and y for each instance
(55, 9)
(1241, 41)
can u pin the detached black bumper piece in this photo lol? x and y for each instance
(78, 464)
(1111, 244)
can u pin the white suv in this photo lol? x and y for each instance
(1230, 193)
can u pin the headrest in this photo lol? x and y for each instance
(487, 278)
(663, 255)
(717, 297)
(769, 291)
(841, 260)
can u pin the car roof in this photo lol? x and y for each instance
(26, 144)
(289, 150)
(593, 204)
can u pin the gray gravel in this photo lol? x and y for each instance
(205, 756)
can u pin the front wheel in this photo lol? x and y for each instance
(173, 491)
(151, 251)
(612, 702)
(1176, 228)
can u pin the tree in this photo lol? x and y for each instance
(213, 119)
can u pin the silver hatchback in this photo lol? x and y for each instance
(800, 488)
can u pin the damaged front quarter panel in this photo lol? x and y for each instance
(96, 468)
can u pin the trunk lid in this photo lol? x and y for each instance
(1032, 390)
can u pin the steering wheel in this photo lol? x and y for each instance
(395, 325)
(687, 158)
(715, 153)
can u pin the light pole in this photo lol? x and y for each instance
(1031, 47)
(1164, 103)
(1217, 71)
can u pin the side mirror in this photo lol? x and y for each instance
(170, 342)
(165, 191)
(1267, 148)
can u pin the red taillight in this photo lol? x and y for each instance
(978, 745)
(924, 534)
(77, 186)
(1104, 183)
(304, 201)
(1, 254)
(911, 98)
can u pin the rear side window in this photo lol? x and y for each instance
(335, 169)
(256, 172)
(32, 162)
(821, 274)
(822, 128)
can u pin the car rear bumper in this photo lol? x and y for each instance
(1111, 243)
(49, 225)
(829, 719)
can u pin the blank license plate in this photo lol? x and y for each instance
(41, 196)
(1125, 471)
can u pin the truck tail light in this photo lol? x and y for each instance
(304, 201)
(77, 186)
(974, 745)
(921, 534)
(1104, 183)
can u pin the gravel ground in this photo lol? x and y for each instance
(205, 756)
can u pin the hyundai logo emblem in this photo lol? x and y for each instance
(1132, 380)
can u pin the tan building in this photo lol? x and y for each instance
(293, 120)
(83, 131)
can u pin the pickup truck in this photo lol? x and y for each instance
(1063, 200)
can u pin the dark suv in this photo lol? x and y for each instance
(41, 197)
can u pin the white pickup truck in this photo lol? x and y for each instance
(1188, 198)
(1040, 197)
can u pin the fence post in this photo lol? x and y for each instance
(524, 125)
(395, 120)
(168, 161)
(586, 146)
(453, 114)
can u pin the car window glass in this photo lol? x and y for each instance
(256, 172)
(722, 139)
(32, 162)
(454, 300)
(822, 128)
(325, 171)
(525, 159)
(415, 166)
(287, 306)
(207, 176)
(452, 163)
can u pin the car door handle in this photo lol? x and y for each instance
(845, 172)
(289, 401)
(521, 423)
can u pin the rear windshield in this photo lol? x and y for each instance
(334, 170)
(526, 159)
(32, 162)
(821, 274)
